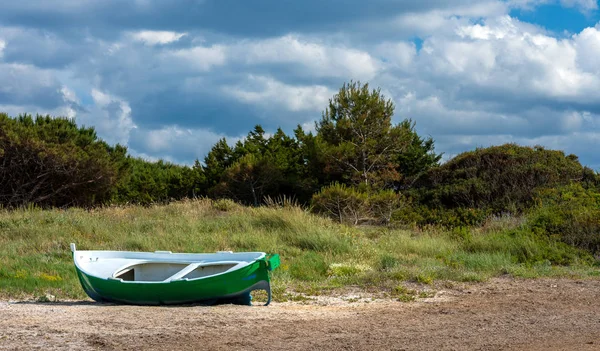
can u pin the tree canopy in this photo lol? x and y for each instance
(51, 162)
(360, 144)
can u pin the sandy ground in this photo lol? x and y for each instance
(499, 315)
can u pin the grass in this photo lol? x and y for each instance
(318, 255)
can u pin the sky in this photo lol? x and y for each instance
(168, 79)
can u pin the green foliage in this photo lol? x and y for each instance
(260, 167)
(417, 158)
(570, 214)
(359, 144)
(341, 203)
(158, 182)
(349, 204)
(309, 267)
(421, 215)
(51, 162)
(219, 158)
(248, 180)
(499, 178)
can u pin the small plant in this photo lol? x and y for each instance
(281, 201)
(424, 278)
(426, 294)
(223, 205)
(387, 262)
(570, 214)
(402, 293)
(347, 269)
(357, 205)
(47, 298)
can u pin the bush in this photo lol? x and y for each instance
(570, 214)
(157, 182)
(341, 203)
(525, 247)
(51, 162)
(348, 204)
(499, 178)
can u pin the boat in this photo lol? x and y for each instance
(166, 278)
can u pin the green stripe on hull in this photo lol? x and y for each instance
(229, 285)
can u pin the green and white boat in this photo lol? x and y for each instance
(163, 277)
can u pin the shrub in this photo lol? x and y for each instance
(51, 162)
(499, 178)
(341, 203)
(570, 214)
(348, 204)
(382, 205)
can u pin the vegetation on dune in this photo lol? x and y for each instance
(499, 178)
(318, 255)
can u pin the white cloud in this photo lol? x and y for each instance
(110, 115)
(317, 57)
(199, 57)
(24, 84)
(587, 44)
(502, 55)
(2, 46)
(150, 37)
(267, 92)
(439, 21)
(100, 99)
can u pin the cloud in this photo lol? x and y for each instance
(587, 45)
(316, 57)
(503, 58)
(199, 57)
(169, 79)
(583, 5)
(270, 93)
(39, 48)
(398, 54)
(110, 115)
(23, 84)
(174, 143)
(150, 37)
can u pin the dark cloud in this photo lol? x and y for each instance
(240, 18)
(27, 85)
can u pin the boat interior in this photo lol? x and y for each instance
(166, 271)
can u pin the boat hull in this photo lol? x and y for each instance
(234, 286)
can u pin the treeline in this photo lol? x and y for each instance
(357, 167)
(53, 162)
